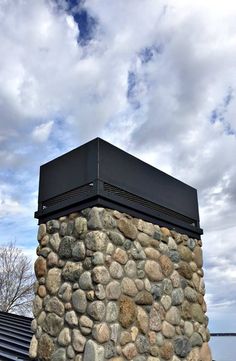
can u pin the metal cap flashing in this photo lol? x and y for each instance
(100, 174)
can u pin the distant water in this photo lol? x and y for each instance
(223, 348)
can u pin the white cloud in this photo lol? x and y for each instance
(41, 132)
(156, 78)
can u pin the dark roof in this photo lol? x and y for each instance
(15, 337)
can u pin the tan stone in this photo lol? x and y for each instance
(33, 347)
(205, 352)
(128, 287)
(40, 267)
(185, 253)
(173, 316)
(168, 330)
(125, 338)
(185, 270)
(166, 265)
(42, 291)
(53, 280)
(153, 271)
(152, 337)
(166, 351)
(152, 253)
(134, 333)
(193, 355)
(142, 320)
(127, 228)
(129, 351)
(127, 311)
(165, 231)
(120, 256)
(198, 256)
(45, 348)
(101, 332)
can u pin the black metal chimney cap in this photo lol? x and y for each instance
(100, 174)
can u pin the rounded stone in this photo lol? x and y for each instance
(116, 238)
(185, 270)
(197, 313)
(42, 291)
(52, 259)
(166, 265)
(142, 320)
(79, 301)
(53, 280)
(120, 256)
(65, 248)
(53, 324)
(64, 337)
(100, 275)
(188, 328)
(196, 340)
(113, 290)
(93, 351)
(96, 241)
(78, 251)
(144, 298)
(56, 306)
(142, 344)
(33, 347)
(190, 294)
(198, 256)
(53, 226)
(167, 286)
(127, 312)
(98, 258)
(41, 231)
(177, 296)
(40, 267)
(173, 316)
(166, 302)
(168, 330)
(81, 225)
(100, 292)
(128, 287)
(129, 351)
(156, 292)
(185, 253)
(101, 332)
(78, 340)
(155, 320)
(112, 312)
(65, 292)
(55, 241)
(116, 270)
(153, 270)
(127, 228)
(37, 305)
(45, 347)
(85, 281)
(71, 318)
(205, 352)
(166, 350)
(152, 253)
(182, 346)
(96, 310)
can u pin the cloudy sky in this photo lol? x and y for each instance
(156, 78)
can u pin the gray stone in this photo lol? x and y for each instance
(94, 218)
(81, 225)
(97, 310)
(137, 251)
(113, 290)
(100, 292)
(93, 351)
(56, 306)
(96, 241)
(188, 328)
(108, 221)
(116, 270)
(166, 302)
(167, 286)
(196, 340)
(85, 281)
(72, 271)
(127, 244)
(87, 264)
(53, 226)
(130, 268)
(79, 301)
(71, 318)
(98, 258)
(177, 296)
(191, 243)
(174, 256)
(59, 355)
(78, 340)
(78, 251)
(112, 312)
(182, 346)
(55, 241)
(115, 331)
(190, 294)
(70, 352)
(128, 287)
(53, 324)
(173, 316)
(142, 344)
(155, 320)
(156, 292)
(43, 251)
(110, 350)
(100, 275)
(153, 271)
(116, 238)
(65, 248)
(65, 292)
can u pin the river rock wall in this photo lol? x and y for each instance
(112, 287)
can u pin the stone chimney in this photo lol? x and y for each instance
(119, 267)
